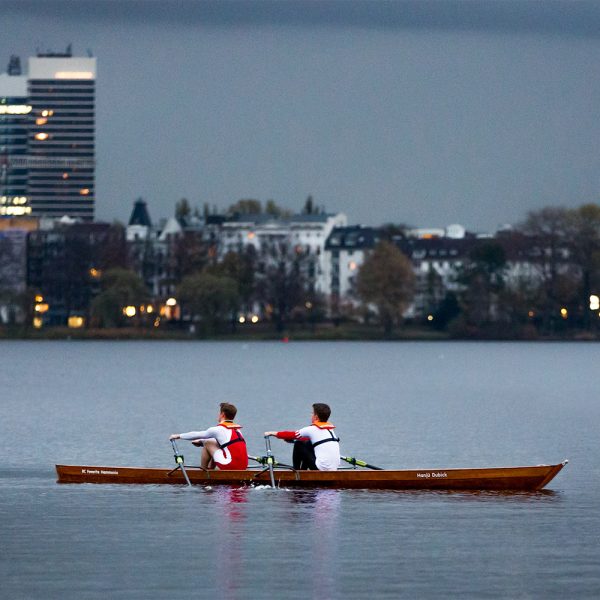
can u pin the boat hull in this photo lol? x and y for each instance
(502, 478)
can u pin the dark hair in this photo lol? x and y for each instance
(229, 410)
(322, 411)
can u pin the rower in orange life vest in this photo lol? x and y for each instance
(315, 446)
(223, 446)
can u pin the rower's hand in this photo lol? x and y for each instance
(175, 436)
(268, 433)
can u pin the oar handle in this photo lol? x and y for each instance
(179, 461)
(178, 457)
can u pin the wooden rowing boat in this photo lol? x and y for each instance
(505, 478)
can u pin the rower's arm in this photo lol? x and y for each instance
(198, 435)
(285, 435)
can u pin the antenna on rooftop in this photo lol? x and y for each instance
(14, 65)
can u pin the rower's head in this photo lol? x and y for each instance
(321, 412)
(228, 412)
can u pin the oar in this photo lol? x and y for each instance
(179, 461)
(270, 460)
(360, 463)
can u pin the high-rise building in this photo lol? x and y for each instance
(57, 163)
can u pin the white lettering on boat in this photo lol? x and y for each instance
(427, 475)
(98, 472)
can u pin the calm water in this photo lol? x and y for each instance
(412, 405)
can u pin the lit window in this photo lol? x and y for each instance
(73, 75)
(75, 322)
(15, 109)
(41, 136)
(41, 121)
(84, 191)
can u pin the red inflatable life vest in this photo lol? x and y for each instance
(236, 447)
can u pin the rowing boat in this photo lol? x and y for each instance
(503, 478)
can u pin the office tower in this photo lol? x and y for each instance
(61, 91)
(57, 163)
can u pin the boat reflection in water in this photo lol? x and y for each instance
(229, 560)
(319, 510)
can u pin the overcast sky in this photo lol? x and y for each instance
(425, 113)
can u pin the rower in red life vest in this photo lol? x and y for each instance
(315, 446)
(223, 446)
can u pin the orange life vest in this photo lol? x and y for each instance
(229, 425)
(324, 425)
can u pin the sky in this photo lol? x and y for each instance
(425, 113)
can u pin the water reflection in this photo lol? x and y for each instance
(321, 512)
(229, 560)
(464, 495)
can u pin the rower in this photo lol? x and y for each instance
(315, 446)
(223, 446)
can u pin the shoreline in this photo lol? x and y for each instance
(296, 334)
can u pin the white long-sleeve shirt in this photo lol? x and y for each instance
(221, 434)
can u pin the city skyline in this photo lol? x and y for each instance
(422, 113)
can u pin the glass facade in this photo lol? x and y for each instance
(62, 137)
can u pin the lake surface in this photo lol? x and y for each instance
(397, 405)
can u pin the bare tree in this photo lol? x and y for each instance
(387, 280)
